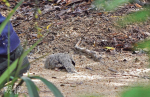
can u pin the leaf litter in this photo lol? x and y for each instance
(68, 21)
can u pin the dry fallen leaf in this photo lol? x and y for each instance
(48, 26)
(137, 5)
(109, 48)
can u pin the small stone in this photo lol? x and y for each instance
(62, 85)
(54, 77)
(137, 60)
(124, 60)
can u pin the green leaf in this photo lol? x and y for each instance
(136, 17)
(52, 87)
(10, 94)
(144, 44)
(6, 73)
(109, 5)
(32, 90)
(137, 92)
(13, 95)
(13, 66)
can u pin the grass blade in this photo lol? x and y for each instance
(32, 90)
(14, 64)
(24, 55)
(52, 87)
(4, 76)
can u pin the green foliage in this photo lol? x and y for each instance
(109, 5)
(144, 44)
(138, 91)
(52, 87)
(12, 67)
(137, 17)
(32, 88)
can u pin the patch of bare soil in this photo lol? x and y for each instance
(117, 69)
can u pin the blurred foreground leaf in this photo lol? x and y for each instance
(32, 90)
(144, 44)
(109, 5)
(52, 87)
(137, 92)
(137, 17)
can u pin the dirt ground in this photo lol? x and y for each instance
(117, 69)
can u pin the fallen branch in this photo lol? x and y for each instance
(95, 55)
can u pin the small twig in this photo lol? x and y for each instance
(110, 69)
(89, 68)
